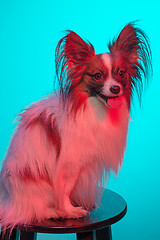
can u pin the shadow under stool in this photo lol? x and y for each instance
(95, 226)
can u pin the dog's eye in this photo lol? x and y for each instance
(97, 76)
(121, 73)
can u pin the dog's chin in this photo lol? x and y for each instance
(110, 102)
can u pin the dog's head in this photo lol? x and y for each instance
(107, 76)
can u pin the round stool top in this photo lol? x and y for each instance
(112, 208)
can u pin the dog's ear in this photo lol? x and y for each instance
(76, 50)
(127, 43)
(132, 44)
(71, 56)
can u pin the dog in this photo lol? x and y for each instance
(66, 144)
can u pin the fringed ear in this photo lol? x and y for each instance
(132, 44)
(76, 50)
(72, 54)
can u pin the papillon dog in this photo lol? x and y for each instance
(65, 145)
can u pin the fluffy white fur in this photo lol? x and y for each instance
(91, 144)
(65, 145)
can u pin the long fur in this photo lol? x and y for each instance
(66, 145)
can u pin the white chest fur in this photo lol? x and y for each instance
(97, 134)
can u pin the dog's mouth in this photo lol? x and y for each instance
(112, 102)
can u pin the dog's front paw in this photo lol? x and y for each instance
(51, 213)
(76, 212)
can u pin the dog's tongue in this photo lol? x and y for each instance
(114, 102)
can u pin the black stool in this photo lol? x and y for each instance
(97, 225)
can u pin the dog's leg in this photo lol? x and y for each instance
(71, 211)
(64, 185)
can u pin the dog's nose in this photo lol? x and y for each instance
(115, 89)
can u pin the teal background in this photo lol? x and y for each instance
(29, 32)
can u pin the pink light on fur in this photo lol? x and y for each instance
(66, 145)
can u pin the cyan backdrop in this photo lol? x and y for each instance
(29, 32)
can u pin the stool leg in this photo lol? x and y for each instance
(14, 235)
(86, 235)
(104, 233)
(27, 235)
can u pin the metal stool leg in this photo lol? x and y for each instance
(100, 234)
(8, 235)
(104, 233)
(86, 235)
(27, 235)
